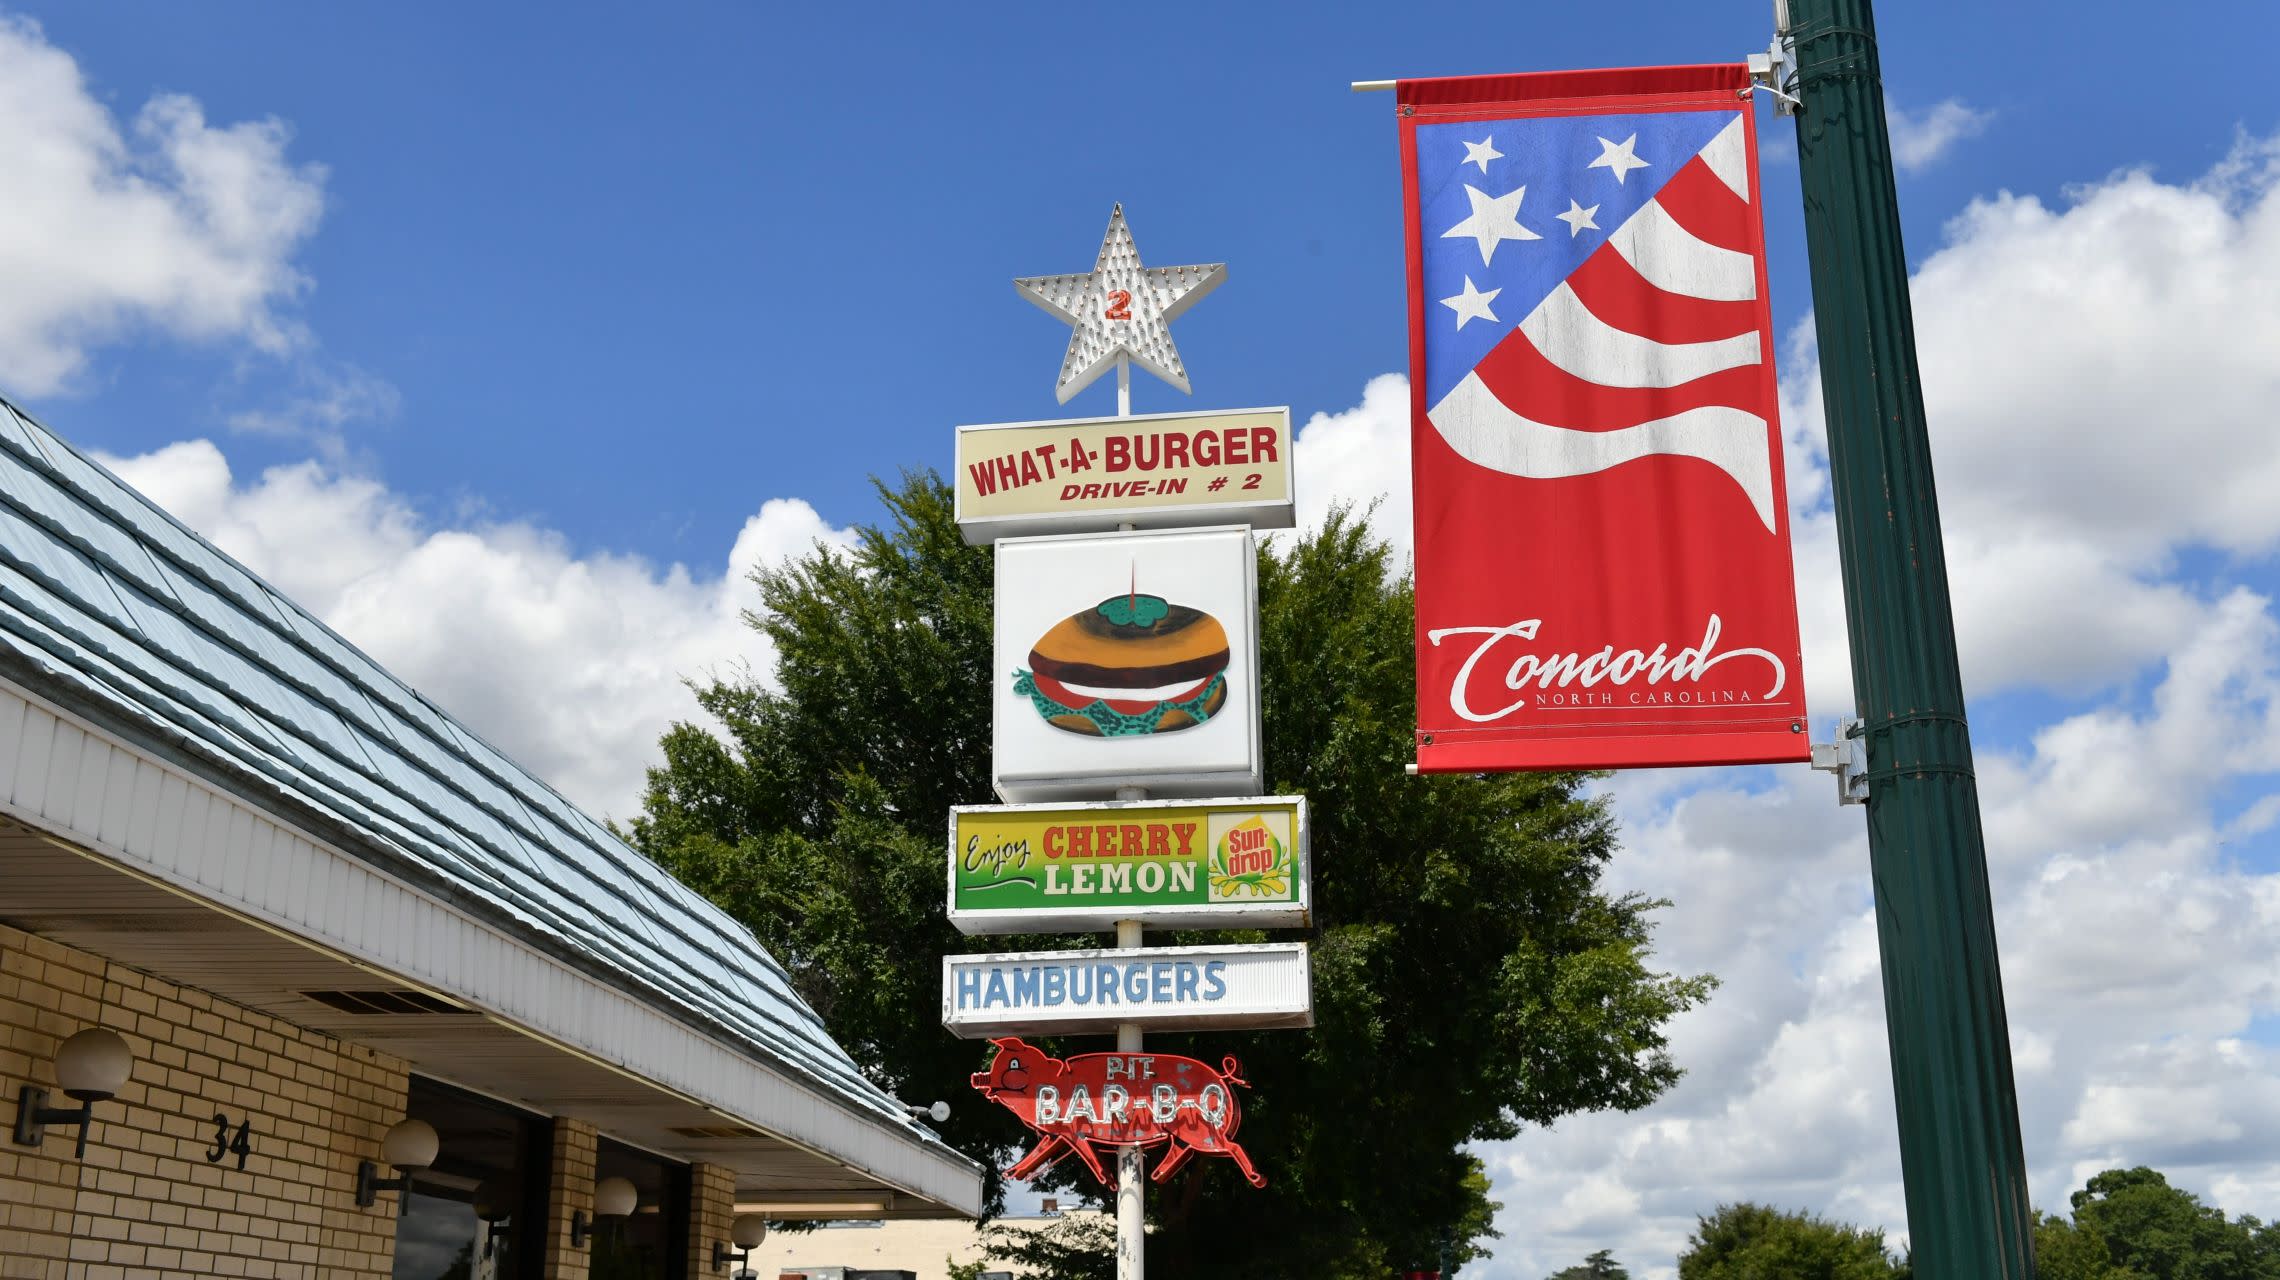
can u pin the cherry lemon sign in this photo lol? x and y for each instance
(1603, 563)
(1210, 864)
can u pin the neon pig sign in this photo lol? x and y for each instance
(1117, 1099)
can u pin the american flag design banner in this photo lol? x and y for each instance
(1603, 565)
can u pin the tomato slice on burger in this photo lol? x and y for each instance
(1074, 701)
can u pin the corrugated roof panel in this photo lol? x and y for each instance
(41, 500)
(113, 597)
(122, 506)
(14, 432)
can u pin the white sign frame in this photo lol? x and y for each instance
(1040, 581)
(1266, 985)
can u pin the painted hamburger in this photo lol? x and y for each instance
(1130, 665)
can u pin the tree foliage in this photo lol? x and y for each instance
(1599, 1266)
(2130, 1224)
(1470, 975)
(1756, 1242)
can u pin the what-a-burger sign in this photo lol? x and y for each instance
(1150, 471)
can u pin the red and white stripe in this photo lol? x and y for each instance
(1651, 347)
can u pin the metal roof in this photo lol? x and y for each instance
(119, 611)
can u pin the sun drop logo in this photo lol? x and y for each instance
(1250, 858)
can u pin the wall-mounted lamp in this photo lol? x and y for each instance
(494, 1202)
(747, 1231)
(90, 1066)
(409, 1146)
(937, 1112)
(613, 1198)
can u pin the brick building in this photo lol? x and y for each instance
(312, 908)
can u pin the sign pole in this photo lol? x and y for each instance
(1131, 1165)
(1960, 1153)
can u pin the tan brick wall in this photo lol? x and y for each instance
(146, 1202)
(570, 1188)
(712, 1206)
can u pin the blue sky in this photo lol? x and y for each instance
(627, 273)
(507, 340)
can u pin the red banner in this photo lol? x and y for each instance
(1603, 567)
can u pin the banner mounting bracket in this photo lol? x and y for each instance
(1847, 758)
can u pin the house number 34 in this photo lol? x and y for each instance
(225, 1144)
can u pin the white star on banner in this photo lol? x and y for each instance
(1121, 308)
(1618, 156)
(1494, 219)
(1482, 152)
(1578, 219)
(1472, 304)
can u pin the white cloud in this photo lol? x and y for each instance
(327, 399)
(169, 223)
(2097, 373)
(571, 664)
(1359, 456)
(1920, 138)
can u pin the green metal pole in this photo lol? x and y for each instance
(1968, 1215)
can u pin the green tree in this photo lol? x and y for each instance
(1757, 1242)
(1470, 976)
(1599, 1266)
(2130, 1224)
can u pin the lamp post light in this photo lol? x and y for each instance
(613, 1198)
(494, 1201)
(747, 1231)
(90, 1067)
(409, 1146)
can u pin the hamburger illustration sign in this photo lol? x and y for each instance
(1126, 659)
(1132, 664)
(1215, 864)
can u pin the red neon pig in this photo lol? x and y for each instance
(1116, 1099)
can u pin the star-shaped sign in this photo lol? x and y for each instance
(1619, 157)
(1494, 220)
(1481, 152)
(1472, 304)
(1579, 219)
(1121, 310)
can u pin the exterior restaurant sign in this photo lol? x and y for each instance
(1125, 664)
(1152, 471)
(1079, 1104)
(1164, 988)
(1210, 864)
(1603, 563)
